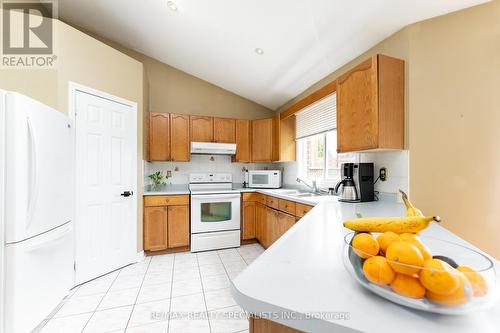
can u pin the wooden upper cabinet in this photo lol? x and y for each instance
(155, 228)
(284, 139)
(178, 226)
(262, 140)
(179, 137)
(159, 136)
(202, 128)
(243, 136)
(370, 106)
(224, 130)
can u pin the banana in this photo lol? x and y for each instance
(399, 225)
(410, 209)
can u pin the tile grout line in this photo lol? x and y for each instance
(171, 293)
(203, 292)
(137, 297)
(95, 310)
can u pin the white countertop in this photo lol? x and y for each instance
(178, 189)
(303, 273)
(174, 189)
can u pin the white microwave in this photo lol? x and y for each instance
(264, 178)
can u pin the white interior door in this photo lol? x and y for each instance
(106, 168)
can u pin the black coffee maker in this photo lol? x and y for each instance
(357, 183)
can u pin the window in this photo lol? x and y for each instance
(318, 159)
(316, 137)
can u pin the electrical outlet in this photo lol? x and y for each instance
(383, 174)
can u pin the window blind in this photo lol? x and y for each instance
(317, 118)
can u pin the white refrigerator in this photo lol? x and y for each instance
(36, 211)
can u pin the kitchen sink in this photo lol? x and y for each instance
(307, 194)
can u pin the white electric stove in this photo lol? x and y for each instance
(215, 212)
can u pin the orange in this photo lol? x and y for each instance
(365, 245)
(479, 286)
(439, 277)
(408, 286)
(378, 271)
(404, 258)
(413, 239)
(386, 239)
(460, 296)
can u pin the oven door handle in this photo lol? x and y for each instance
(216, 196)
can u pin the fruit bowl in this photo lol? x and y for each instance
(475, 290)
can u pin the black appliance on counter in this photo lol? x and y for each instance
(357, 182)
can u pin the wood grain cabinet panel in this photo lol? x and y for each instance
(179, 138)
(260, 217)
(262, 140)
(249, 216)
(243, 138)
(155, 228)
(178, 226)
(272, 202)
(284, 147)
(202, 128)
(301, 209)
(224, 130)
(253, 196)
(286, 206)
(159, 136)
(166, 200)
(270, 227)
(370, 106)
(284, 222)
(259, 325)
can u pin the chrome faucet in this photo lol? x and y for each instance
(313, 188)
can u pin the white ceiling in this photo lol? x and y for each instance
(303, 40)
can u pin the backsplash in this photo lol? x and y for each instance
(202, 163)
(396, 163)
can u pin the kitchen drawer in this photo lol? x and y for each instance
(252, 196)
(272, 202)
(286, 206)
(301, 209)
(166, 200)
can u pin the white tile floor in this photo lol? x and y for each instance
(137, 298)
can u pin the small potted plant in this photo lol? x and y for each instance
(157, 180)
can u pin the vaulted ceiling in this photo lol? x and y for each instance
(216, 40)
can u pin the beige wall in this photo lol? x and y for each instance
(452, 118)
(86, 61)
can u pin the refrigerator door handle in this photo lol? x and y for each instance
(52, 240)
(32, 173)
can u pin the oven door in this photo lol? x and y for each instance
(215, 212)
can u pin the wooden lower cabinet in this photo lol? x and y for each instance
(155, 228)
(266, 218)
(285, 222)
(260, 325)
(260, 218)
(249, 215)
(270, 224)
(166, 222)
(301, 209)
(178, 226)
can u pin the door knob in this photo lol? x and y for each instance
(127, 194)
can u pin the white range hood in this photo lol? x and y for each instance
(211, 148)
